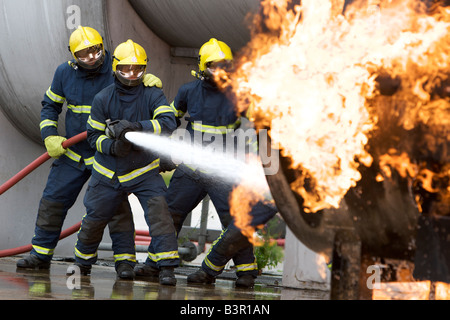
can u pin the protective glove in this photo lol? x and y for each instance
(150, 80)
(124, 126)
(120, 148)
(54, 147)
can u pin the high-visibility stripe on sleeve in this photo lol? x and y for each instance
(162, 109)
(178, 113)
(96, 124)
(48, 123)
(156, 126)
(54, 97)
(99, 141)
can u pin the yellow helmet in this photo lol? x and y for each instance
(86, 46)
(211, 51)
(129, 63)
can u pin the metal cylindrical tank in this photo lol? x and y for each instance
(34, 37)
(184, 23)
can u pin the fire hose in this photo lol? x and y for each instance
(189, 250)
(22, 174)
(40, 160)
(141, 236)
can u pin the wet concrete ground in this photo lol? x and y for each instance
(102, 284)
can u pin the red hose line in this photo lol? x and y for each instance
(23, 173)
(40, 160)
(22, 249)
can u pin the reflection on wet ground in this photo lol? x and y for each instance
(54, 284)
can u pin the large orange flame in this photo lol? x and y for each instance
(312, 72)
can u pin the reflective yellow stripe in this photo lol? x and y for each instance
(198, 126)
(89, 161)
(247, 267)
(72, 155)
(212, 266)
(178, 113)
(48, 123)
(43, 250)
(136, 173)
(81, 255)
(54, 97)
(96, 125)
(125, 256)
(102, 170)
(163, 255)
(79, 109)
(162, 109)
(99, 141)
(206, 260)
(156, 126)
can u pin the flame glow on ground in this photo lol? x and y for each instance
(310, 74)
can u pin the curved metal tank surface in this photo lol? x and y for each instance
(186, 23)
(34, 37)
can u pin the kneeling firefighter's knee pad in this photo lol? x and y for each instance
(159, 217)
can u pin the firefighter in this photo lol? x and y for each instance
(212, 116)
(76, 82)
(120, 168)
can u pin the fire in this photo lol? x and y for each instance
(243, 198)
(312, 72)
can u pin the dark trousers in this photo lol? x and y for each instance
(63, 186)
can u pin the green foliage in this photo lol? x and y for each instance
(269, 254)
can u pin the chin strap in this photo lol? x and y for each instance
(199, 75)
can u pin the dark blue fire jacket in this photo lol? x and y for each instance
(146, 105)
(78, 88)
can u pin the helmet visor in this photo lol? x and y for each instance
(131, 72)
(91, 56)
(213, 66)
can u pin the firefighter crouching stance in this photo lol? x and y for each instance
(75, 83)
(121, 168)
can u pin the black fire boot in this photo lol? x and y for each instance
(167, 277)
(125, 271)
(33, 262)
(245, 281)
(200, 277)
(146, 271)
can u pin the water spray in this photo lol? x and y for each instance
(224, 166)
